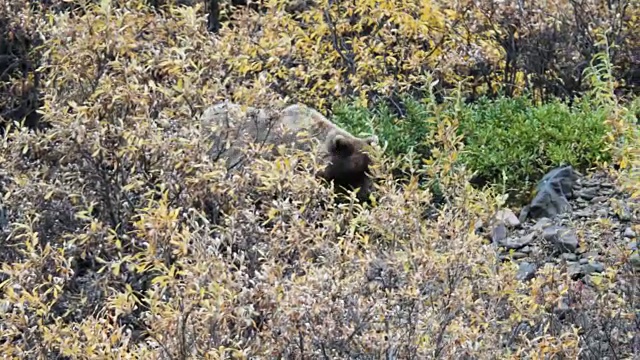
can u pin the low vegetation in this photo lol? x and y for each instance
(121, 237)
(508, 137)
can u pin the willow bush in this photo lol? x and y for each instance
(123, 238)
(372, 49)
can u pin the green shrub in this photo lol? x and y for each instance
(526, 140)
(403, 134)
(510, 135)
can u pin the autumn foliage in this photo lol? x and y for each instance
(121, 237)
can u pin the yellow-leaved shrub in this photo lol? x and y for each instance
(126, 239)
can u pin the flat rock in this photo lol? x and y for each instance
(580, 204)
(542, 224)
(526, 271)
(550, 232)
(517, 243)
(592, 267)
(583, 213)
(599, 199)
(591, 183)
(569, 256)
(567, 241)
(607, 192)
(635, 260)
(588, 193)
(563, 238)
(575, 270)
(629, 233)
(507, 217)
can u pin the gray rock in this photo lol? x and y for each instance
(569, 257)
(633, 246)
(508, 218)
(574, 270)
(550, 233)
(524, 213)
(588, 193)
(583, 213)
(602, 213)
(517, 243)
(629, 233)
(583, 261)
(607, 192)
(607, 185)
(499, 233)
(591, 183)
(527, 249)
(563, 238)
(592, 267)
(536, 250)
(567, 241)
(526, 271)
(599, 199)
(553, 192)
(542, 224)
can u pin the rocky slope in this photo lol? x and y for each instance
(579, 222)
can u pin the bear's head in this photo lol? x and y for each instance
(348, 163)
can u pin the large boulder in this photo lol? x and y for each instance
(553, 194)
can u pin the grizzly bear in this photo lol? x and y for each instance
(345, 158)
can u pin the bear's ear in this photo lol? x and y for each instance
(340, 145)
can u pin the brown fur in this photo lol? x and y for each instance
(344, 156)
